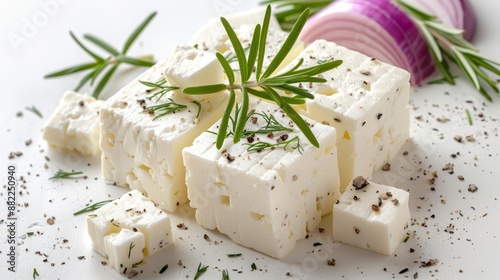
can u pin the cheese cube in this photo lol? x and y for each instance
(125, 249)
(264, 199)
(366, 100)
(142, 151)
(209, 35)
(135, 212)
(187, 66)
(74, 124)
(371, 216)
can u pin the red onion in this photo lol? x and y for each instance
(377, 28)
(456, 13)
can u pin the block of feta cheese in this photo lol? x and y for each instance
(75, 124)
(371, 216)
(210, 35)
(142, 150)
(366, 100)
(129, 229)
(124, 249)
(264, 199)
(187, 66)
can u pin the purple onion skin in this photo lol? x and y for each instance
(470, 20)
(421, 63)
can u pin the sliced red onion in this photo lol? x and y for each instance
(377, 28)
(456, 13)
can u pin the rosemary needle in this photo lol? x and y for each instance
(35, 111)
(60, 174)
(92, 207)
(101, 69)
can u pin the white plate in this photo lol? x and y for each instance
(35, 41)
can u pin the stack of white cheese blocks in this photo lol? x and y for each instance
(264, 200)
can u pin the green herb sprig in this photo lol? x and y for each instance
(166, 108)
(261, 82)
(199, 272)
(158, 89)
(35, 111)
(102, 68)
(35, 273)
(60, 174)
(447, 44)
(132, 245)
(92, 207)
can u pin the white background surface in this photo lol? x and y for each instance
(473, 247)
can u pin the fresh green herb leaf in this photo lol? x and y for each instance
(163, 269)
(197, 103)
(35, 273)
(60, 174)
(92, 207)
(225, 274)
(406, 238)
(199, 272)
(107, 65)
(47, 158)
(30, 233)
(34, 110)
(234, 255)
(253, 266)
(132, 245)
(469, 117)
(135, 34)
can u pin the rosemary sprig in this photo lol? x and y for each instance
(35, 111)
(60, 174)
(225, 274)
(199, 272)
(289, 10)
(263, 83)
(35, 273)
(92, 207)
(103, 68)
(158, 89)
(293, 143)
(447, 44)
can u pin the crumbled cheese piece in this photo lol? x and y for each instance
(375, 217)
(263, 199)
(132, 211)
(74, 124)
(187, 66)
(366, 100)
